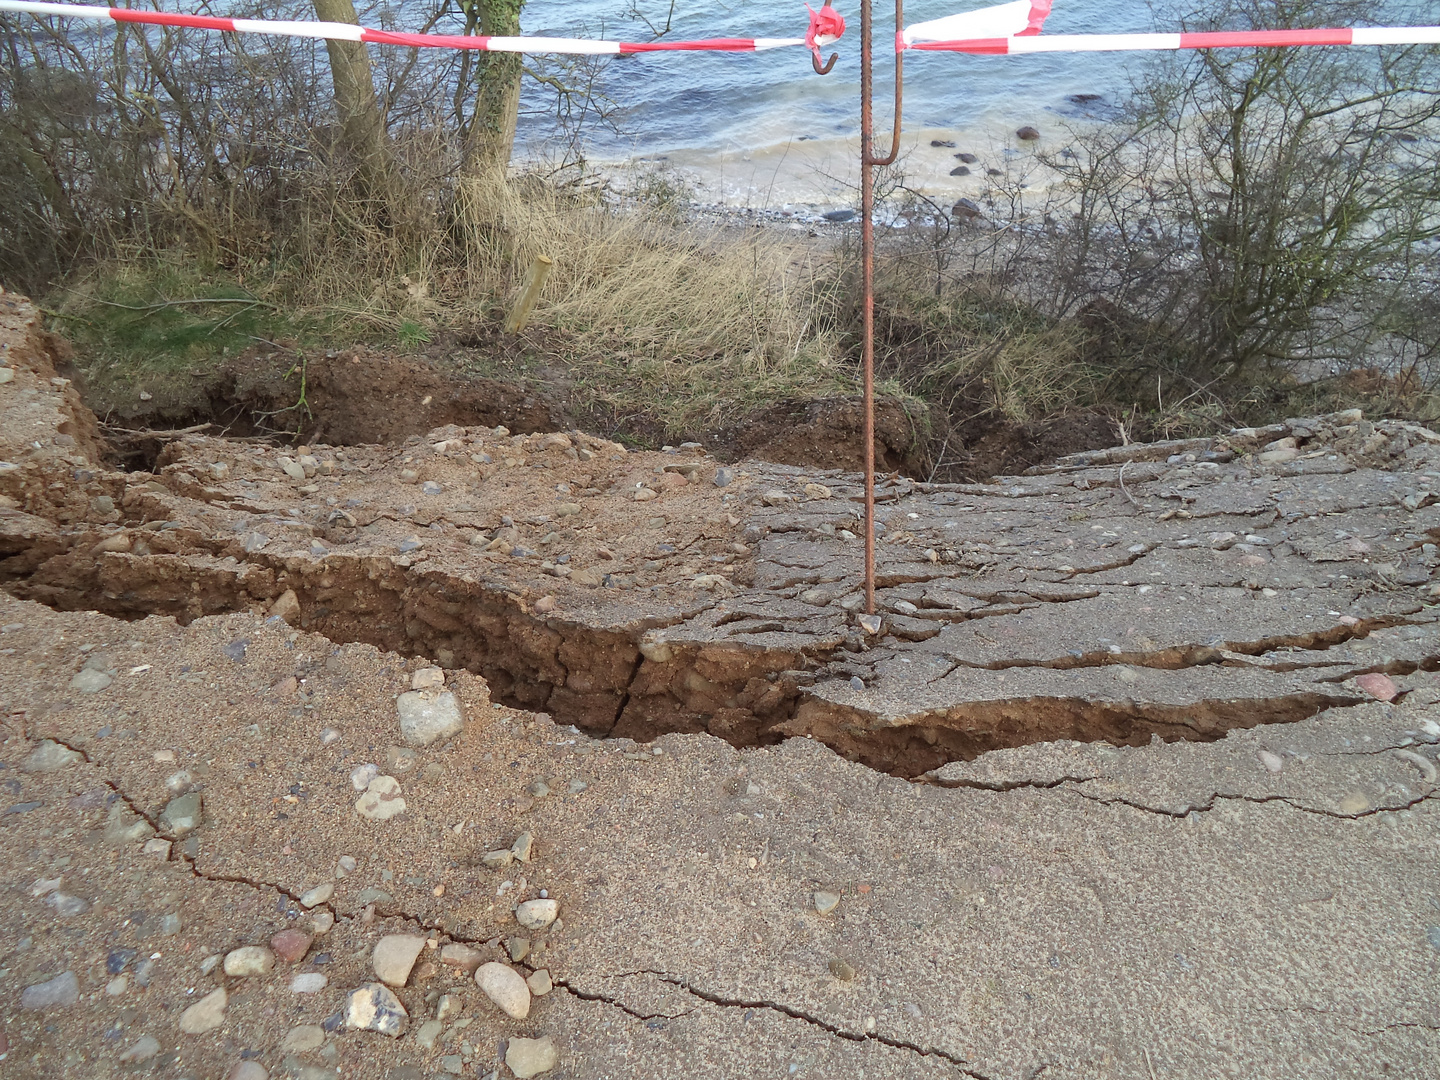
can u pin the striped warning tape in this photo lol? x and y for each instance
(824, 26)
(1049, 43)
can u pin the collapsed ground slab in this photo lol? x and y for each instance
(1179, 590)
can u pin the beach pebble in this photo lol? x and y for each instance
(826, 902)
(321, 922)
(290, 945)
(1353, 803)
(531, 1057)
(303, 1037)
(449, 1006)
(1379, 686)
(540, 983)
(49, 757)
(181, 815)
(428, 717)
(381, 800)
(308, 982)
(373, 1007)
(1027, 134)
(207, 1014)
(62, 990)
(537, 914)
(90, 681)
(142, 1049)
(394, 956)
(461, 956)
(320, 894)
(249, 960)
(504, 986)
(518, 948)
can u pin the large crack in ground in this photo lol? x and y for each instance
(633, 595)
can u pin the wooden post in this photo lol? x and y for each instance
(539, 271)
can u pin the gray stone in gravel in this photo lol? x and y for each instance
(143, 1049)
(531, 1057)
(49, 757)
(429, 1032)
(381, 800)
(67, 906)
(518, 948)
(247, 1070)
(537, 914)
(453, 1064)
(540, 983)
(826, 902)
(374, 1007)
(524, 847)
(207, 1014)
(427, 717)
(318, 895)
(724, 477)
(302, 1038)
(62, 990)
(90, 681)
(504, 986)
(449, 1006)
(182, 815)
(394, 956)
(248, 961)
(498, 860)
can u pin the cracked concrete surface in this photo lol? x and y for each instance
(1130, 813)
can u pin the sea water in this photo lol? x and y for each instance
(763, 130)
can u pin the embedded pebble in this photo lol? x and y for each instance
(1353, 803)
(524, 847)
(394, 956)
(540, 983)
(531, 1057)
(142, 1049)
(302, 1038)
(248, 961)
(320, 894)
(182, 815)
(291, 945)
(90, 681)
(1379, 686)
(504, 986)
(361, 775)
(449, 1006)
(427, 717)
(49, 757)
(461, 956)
(826, 902)
(841, 970)
(207, 1014)
(247, 1070)
(428, 1033)
(498, 860)
(381, 800)
(537, 914)
(1271, 762)
(374, 1007)
(309, 982)
(62, 990)
(427, 678)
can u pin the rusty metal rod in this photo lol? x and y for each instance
(868, 161)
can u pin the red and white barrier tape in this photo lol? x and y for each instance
(826, 27)
(1012, 28)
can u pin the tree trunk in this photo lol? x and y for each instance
(497, 100)
(362, 128)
